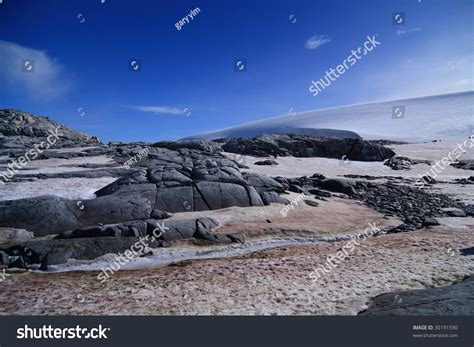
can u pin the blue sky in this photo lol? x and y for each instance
(187, 81)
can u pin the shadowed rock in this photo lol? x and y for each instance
(167, 230)
(308, 146)
(60, 251)
(92, 242)
(266, 162)
(464, 164)
(404, 163)
(339, 185)
(456, 299)
(51, 214)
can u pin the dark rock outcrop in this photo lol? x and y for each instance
(467, 251)
(18, 256)
(20, 130)
(308, 146)
(414, 206)
(263, 183)
(47, 215)
(59, 251)
(243, 131)
(205, 146)
(161, 230)
(464, 164)
(454, 212)
(193, 182)
(404, 163)
(427, 179)
(266, 162)
(311, 203)
(209, 184)
(469, 210)
(273, 197)
(456, 299)
(112, 172)
(469, 180)
(92, 242)
(339, 185)
(429, 221)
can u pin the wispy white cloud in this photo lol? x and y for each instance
(317, 41)
(161, 110)
(401, 32)
(44, 80)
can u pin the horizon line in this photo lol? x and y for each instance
(332, 108)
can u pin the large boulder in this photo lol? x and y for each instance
(209, 184)
(189, 183)
(47, 215)
(339, 185)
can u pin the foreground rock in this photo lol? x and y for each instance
(456, 299)
(60, 251)
(92, 242)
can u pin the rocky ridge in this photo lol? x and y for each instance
(20, 130)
